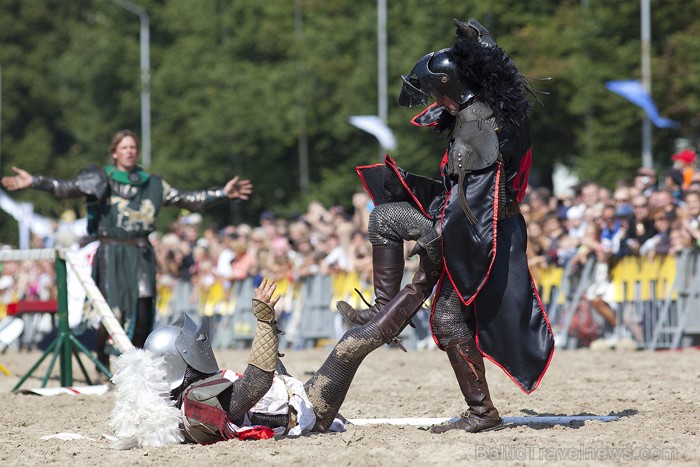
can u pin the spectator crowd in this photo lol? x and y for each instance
(648, 215)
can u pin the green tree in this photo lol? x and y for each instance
(231, 83)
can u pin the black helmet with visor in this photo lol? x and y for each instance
(435, 75)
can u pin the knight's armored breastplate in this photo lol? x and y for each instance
(475, 143)
(205, 420)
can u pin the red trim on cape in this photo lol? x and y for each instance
(388, 161)
(522, 177)
(472, 299)
(449, 276)
(359, 168)
(413, 120)
(391, 163)
(445, 158)
(492, 360)
(495, 239)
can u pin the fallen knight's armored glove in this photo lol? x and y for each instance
(263, 352)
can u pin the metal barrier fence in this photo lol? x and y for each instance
(656, 304)
(656, 301)
(306, 312)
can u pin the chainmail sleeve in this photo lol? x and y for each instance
(63, 189)
(450, 319)
(246, 392)
(196, 200)
(392, 223)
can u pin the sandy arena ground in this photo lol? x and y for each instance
(654, 394)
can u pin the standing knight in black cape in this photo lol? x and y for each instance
(470, 234)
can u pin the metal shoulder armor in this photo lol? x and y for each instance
(91, 182)
(475, 143)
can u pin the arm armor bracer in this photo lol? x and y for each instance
(91, 182)
(192, 200)
(64, 189)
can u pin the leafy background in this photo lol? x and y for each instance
(234, 84)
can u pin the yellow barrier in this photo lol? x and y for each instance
(344, 285)
(549, 278)
(641, 278)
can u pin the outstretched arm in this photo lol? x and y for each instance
(197, 200)
(257, 378)
(263, 352)
(64, 189)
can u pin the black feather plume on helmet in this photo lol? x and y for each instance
(496, 80)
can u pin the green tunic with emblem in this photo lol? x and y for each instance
(122, 212)
(125, 264)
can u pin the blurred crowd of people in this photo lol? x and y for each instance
(649, 215)
(653, 214)
(320, 241)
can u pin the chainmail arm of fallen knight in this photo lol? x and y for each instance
(264, 358)
(240, 397)
(246, 392)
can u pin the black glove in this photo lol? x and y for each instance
(431, 244)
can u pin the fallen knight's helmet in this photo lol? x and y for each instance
(182, 344)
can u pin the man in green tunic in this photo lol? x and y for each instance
(123, 203)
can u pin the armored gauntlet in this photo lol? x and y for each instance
(263, 353)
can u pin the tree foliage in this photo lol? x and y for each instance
(233, 85)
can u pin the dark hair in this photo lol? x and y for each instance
(496, 81)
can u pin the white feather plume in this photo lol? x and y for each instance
(143, 414)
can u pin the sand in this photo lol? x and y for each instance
(655, 396)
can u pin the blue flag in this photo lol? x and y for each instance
(633, 91)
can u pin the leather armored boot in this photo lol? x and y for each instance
(399, 311)
(468, 365)
(387, 264)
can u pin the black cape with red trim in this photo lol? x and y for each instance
(485, 262)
